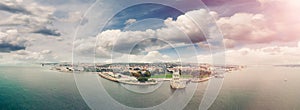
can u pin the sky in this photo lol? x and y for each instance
(247, 32)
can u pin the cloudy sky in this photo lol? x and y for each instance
(242, 31)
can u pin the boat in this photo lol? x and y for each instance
(108, 75)
(219, 76)
(176, 82)
(200, 80)
(134, 82)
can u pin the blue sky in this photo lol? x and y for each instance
(155, 14)
(141, 12)
(54, 30)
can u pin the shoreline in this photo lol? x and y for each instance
(127, 81)
(152, 81)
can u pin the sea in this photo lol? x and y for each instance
(33, 87)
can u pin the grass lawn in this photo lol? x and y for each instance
(162, 76)
(168, 75)
(186, 76)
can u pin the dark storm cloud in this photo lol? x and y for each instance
(49, 32)
(6, 47)
(13, 9)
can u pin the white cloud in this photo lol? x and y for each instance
(246, 28)
(29, 56)
(239, 29)
(28, 17)
(186, 29)
(155, 56)
(150, 57)
(28, 26)
(203, 59)
(88, 48)
(46, 52)
(194, 23)
(282, 18)
(10, 40)
(266, 55)
(19, 1)
(74, 16)
(130, 21)
(270, 55)
(229, 43)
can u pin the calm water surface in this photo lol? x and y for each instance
(254, 88)
(260, 88)
(36, 88)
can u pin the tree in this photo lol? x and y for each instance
(141, 75)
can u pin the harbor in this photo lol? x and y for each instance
(125, 79)
(176, 82)
(146, 74)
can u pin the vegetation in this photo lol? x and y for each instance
(141, 75)
(169, 75)
(162, 76)
(142, 79)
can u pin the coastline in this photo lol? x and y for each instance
(126, 81)
(152, 81)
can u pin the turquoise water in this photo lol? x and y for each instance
(260, 88)
(254, 88)
(36, 88)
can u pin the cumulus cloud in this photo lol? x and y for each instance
(266, 55)
(11, 41)
(31, 17)
(246, 28)
(150, 57)
(186, 29)
(229, 43)
(21, 25)
(12, 7)
(116, 43)
(192, 27)
(270, 55)
(46, 31)
(29, 56)
(5, 47)
(130, 21)
(195, 26)
(73, 16)
(88, 48)
(264, 27)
